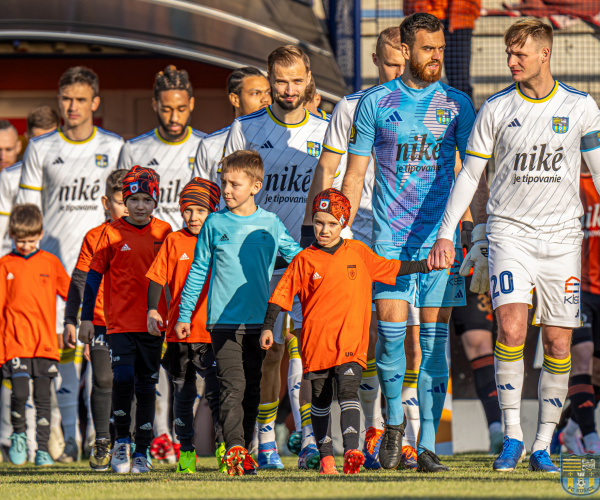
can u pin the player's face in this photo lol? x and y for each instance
(174, 112)
(28, 244)
(255, 95)
(10, 147)
(139, 207)
(525, 63)
(114, 205)
(194, 217)
(288, 85)
(238, 188)
(312, 106)
(426, 56)
(390, 64)
(327, 229)
(77, 104)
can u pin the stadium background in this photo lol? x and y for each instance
(127, 41)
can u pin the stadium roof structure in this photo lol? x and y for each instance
(226, 33)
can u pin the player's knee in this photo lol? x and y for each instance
(558, 348)
(103, 379)
(123, 375)
(273, 357)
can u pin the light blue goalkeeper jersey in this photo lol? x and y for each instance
(239, 251)
(414, 135)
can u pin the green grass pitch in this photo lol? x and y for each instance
(471, 476)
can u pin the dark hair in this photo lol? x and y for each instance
(25, 220)
(172, 79)
(6, 125)
(287, 56)
(246, 161)
(389, 36)
(43, 117)
(415, 22)
(235, 81)
(311, 91)
(80, 74)
(114, 182)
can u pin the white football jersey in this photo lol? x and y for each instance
(66, 179)
(209, 155)
(173, 161)
(336, 140)
(9, 187)
(536, 145)
(290, 154)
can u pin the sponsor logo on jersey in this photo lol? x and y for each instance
(267, 145)
(514, 123)
(153, 162)
(313, 148)
(316, 276)
(560, 124)
(351, 272)
(394, 118)
(224, 238)
(579, 474)
(184, 257)
(572, 288)
(540, 160)
(101, 160)
(58, 161)
(443, 116)
(80, 190)
(125, 248)
(191, 162)
(417, 151)
(10, 276)
(288, 186)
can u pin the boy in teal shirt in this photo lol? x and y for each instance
(239, 245)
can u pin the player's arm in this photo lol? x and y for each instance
(235, 139)
(286, 245)
(126, 161)
(195, 280)
(201, 166)
(354, 179)
(5, 205)
(590, 142)
(30, 185)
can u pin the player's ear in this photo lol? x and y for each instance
(257, 187)
(104, 200)
(192, 102)
(405, 51)
(375, 60)
(154, 105)
(234, 99)
(95, 103)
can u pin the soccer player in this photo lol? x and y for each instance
(102, 377)
(169, 149)
(333, 278)
(239, 246)
(64, 173)
(10, 145)
(124, 254)
(248, 91)
(189, 355)
(390, 64)
(537, 129)
(415, 125)
(30, 281)
(40, 121)
(289, 140)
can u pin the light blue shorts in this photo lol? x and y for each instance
(436, 289)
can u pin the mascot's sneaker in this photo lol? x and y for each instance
(268, 458)
(353, 461)
(371, 448)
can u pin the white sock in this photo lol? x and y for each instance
(552, 393)
(410, 405)
(509, 368)
(369, 394)
(308, 436)
(294, 380)
(67, 392)
(267, 413)
(161, 417)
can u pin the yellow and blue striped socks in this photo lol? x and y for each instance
(267, 412)
(308, 435)
(369, 394)
(509, 368)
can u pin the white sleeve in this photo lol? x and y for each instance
(481, 140)
(31, 184)
(338, 130)
(590, 140)
(202, 166)
(235, 140)
(6, 199)
(126, 161)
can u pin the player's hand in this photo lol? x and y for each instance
(86, 332)
(441, 254)
(466, 231)
(307, 235)
(86, 352)
(347, 234)
(153, 321)
(266, 339)
(477, 258)
(69, 336)
(183, 330)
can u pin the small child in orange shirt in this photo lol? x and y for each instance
(124, 254)
(30, 280)
(187, 356)
(333, 279)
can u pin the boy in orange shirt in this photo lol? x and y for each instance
(102, 377)
(333, 279)
(187, 356)
(30, 280)
(124, 254)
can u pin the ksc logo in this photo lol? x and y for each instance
(313, 148)
(560, 124)
(191, 162)
(443, 116)
(102, 161)
(572, 286)
(580, 475)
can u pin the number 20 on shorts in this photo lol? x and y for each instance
(505, 280)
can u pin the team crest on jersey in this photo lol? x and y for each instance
(443, 116)
(580, 474)
(352, 272)
(102, 161)
(191, 162)
(134, 187)
(324, 204)
(560, 124)
(313, 148)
